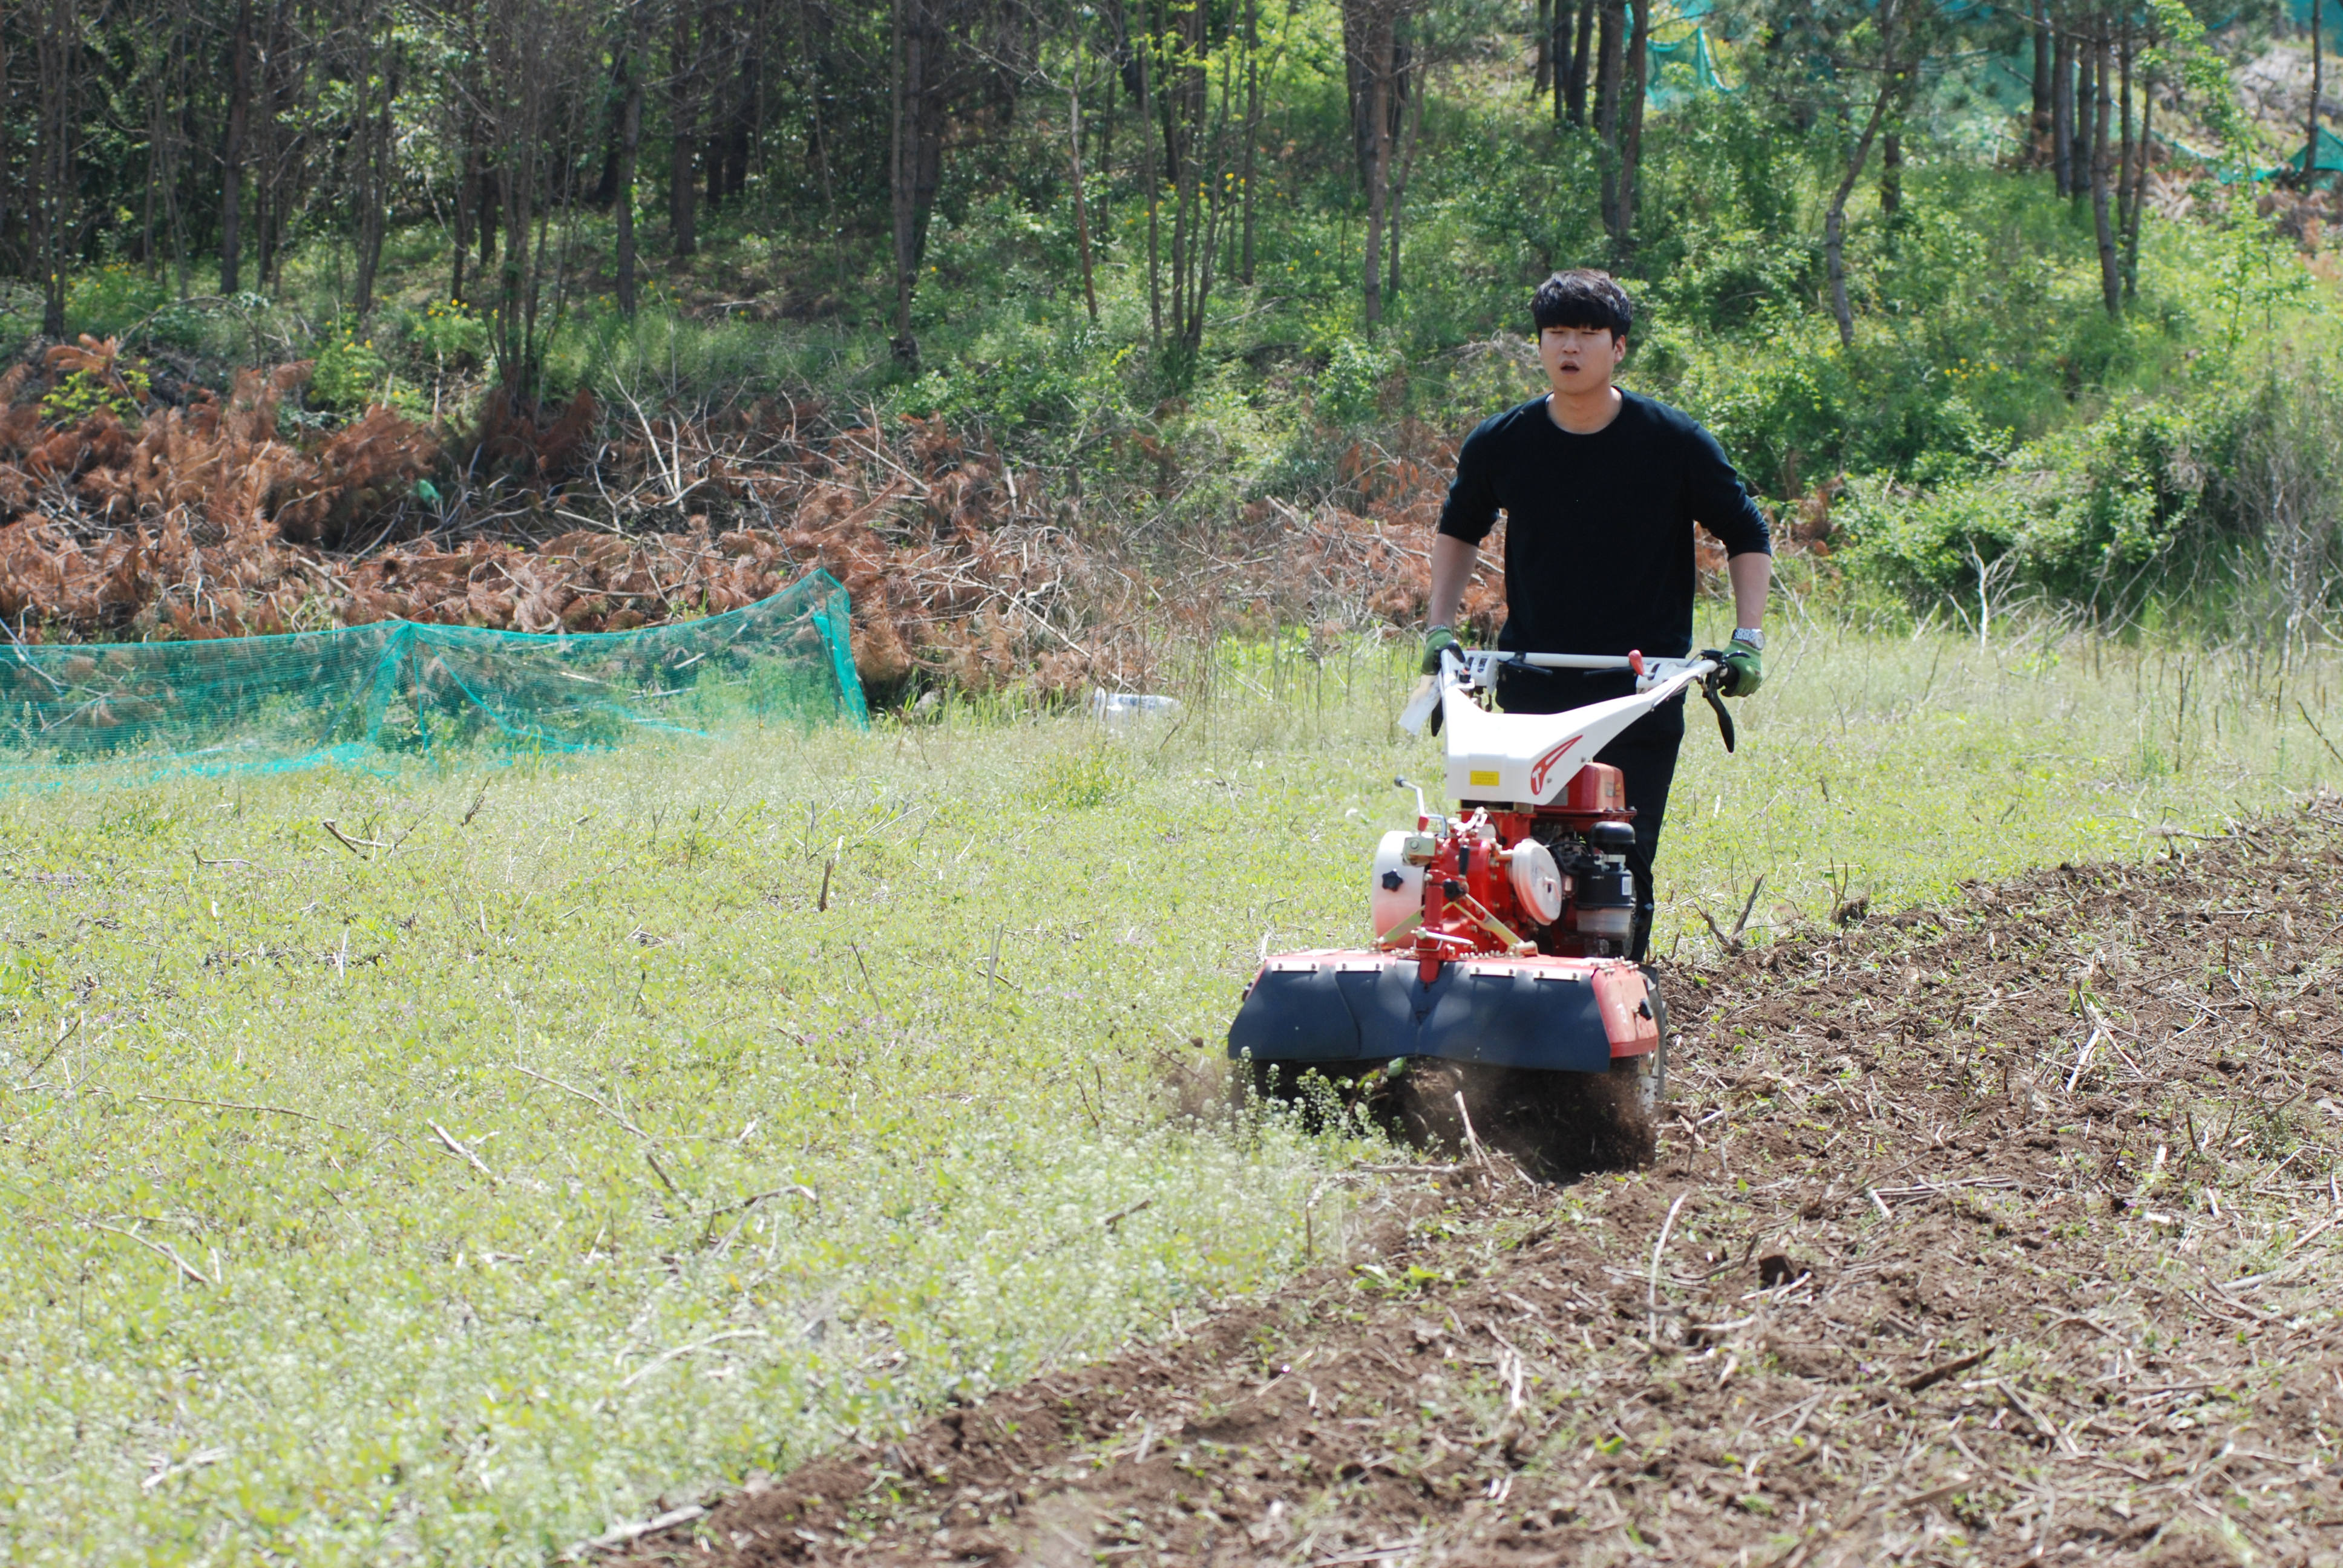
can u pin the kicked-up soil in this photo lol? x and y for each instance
(2007, 1231)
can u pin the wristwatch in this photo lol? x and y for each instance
(1753, 635)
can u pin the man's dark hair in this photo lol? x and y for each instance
(1584, 298)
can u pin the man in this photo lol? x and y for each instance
(1601, 488)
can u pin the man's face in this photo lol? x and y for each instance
(1580, 359)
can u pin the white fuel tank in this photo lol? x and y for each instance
(1398, 888)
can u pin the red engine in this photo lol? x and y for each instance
(1553, 879)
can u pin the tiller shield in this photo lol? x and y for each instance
(1551, 1014)
(1501, 934)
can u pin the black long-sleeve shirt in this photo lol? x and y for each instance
(1598, 529)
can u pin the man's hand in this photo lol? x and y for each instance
(1436, 641)
(1744, 670)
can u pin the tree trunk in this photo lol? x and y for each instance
(1379, 89)
(902, 155)
(1611, 58)
(630, 148)
(1202, 142)
(2110, 269)
(683, 133)
(269, 231)
(818, 147)
(56, 189)
(2039, 145)
(923, 40)
(488, 201)
(148, 259)
(2317, 85)
(1358, 81)
(1253, 128)
(171, 129)
(514, 191)
(1207, 185)
(1558, 46)
(374, 139)
(1117, 52)
(1834, 218)
(168, 141)
(1145, 47)
(1578, 60)
(715, 111)
(725, 149)
(1542, 65)
(516, 131)
(2139, 191)
(606, 185)
(239, 111)
(261, 154)
(1411, 131)
(2062, 108)
(376, 167)
(1891, 151)
(740, 130)
(2086, 101)
(467, 204)
(2127, 161)
(1081, 204)
(1171, 110)
(1631, 129)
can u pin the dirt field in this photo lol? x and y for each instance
(2003, 1232)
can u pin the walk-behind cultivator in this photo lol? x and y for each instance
(1497, 996)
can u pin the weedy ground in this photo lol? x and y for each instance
(580, 1138)
(1999, 1232)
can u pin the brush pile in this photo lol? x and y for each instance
(133, 507)
(126, 518)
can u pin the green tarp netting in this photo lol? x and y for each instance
(361, 693)
(2330, 160)
(1693, 52)
(2330, 154)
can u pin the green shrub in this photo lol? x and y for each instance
(107, 301)
(1038, 379)
(82, 394)
(448, 332)
(1356, 376)
(2087, 515)
(351, 373)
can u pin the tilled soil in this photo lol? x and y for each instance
(2003, 1232)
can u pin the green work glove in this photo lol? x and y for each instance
(1744, 670)
(1437, 641)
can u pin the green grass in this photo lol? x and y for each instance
(598, 1164)
(1893, 769)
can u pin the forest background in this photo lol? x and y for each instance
(1053, 328)
(450, 1163)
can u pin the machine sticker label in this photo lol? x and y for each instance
(1483, 776)
(1545, 765)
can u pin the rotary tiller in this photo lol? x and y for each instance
(1501, 931)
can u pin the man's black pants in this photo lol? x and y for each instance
(1645, 756)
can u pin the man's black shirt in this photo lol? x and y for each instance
(1598, 529)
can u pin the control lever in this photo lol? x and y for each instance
(1724, 719)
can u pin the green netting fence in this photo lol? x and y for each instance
(361, 695)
